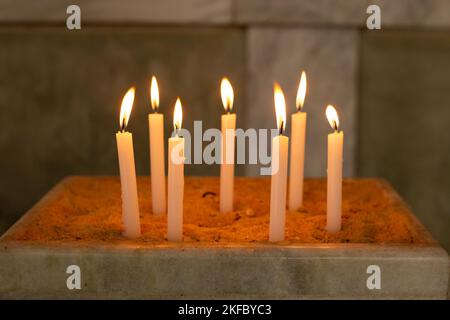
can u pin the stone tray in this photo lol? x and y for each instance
(223, 255)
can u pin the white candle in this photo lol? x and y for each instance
(334, 172)
(298, 133)
(227, 148)
(280, 145)
(156, 132)
(176, 180)
(130, 204)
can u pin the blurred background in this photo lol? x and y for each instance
(60, 89)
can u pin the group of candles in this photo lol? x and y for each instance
(175, 190)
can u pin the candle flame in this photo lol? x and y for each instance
(154, 94)
(280, 107)
(177, 115)
(125, 109)
(301, 92)
(332, 117)
(226, 91)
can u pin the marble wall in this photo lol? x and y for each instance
(405, 119)
(60, 96)
(330, 60)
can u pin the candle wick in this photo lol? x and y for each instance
(122, 127)
(281, 127)
(336, 129)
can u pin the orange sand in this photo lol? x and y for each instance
(89, 209)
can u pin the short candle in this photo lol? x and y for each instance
(334, 172)
(157, 170)
(176, 179)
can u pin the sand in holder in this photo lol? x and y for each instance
(382, 251)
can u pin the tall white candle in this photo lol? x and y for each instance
(280, 145)
(156, 132)
(334, 172)
(130, 204)
(227, 148)
(176, 180)
(298, 132)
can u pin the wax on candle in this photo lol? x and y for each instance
(298, 133)
(280, 146)
(176, 179)
(156, 133)
(334, 172)
(130, 204)
(227, 148)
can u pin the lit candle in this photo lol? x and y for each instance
(297, 149)
(227, 151)
(156, 132)
(176, 179)
(334, 172)
(130, 204)
(280, 145)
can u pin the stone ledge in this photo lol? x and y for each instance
(116, 11)
(345, 13)
(341, 13)
(171, 271)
